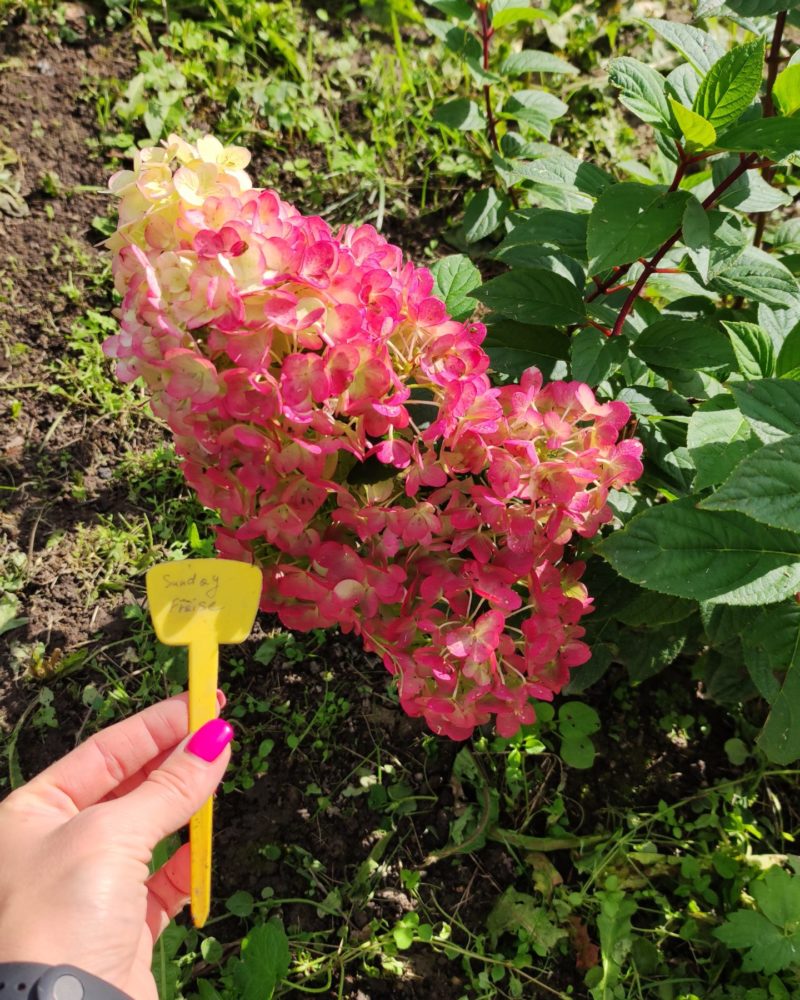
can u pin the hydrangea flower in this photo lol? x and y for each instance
(348, 433)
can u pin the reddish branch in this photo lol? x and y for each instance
(773, 63)
(485, 32)
(651, 267)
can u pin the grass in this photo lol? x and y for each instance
(493, 870)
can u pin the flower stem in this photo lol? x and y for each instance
(773, 63)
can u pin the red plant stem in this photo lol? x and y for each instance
(486, 33)
(773, 63)
(651, 267)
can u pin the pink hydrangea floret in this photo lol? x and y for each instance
(347, 432)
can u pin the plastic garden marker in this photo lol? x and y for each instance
(201, 603)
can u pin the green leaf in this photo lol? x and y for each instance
(758, 8)
(684, 83)
(454, 278)
(505, 12)
(789, 356)
(683, 344)
(629, 221)
(577, 719)
(698, 132)
(518, 912)
(749, 192)
(536, 61)
(697, 46)
(765, 486)
(461, 114)
(534, 296)
(548, 227)
(514, 347)
(716, 556)
(545, 259)
(768, 950)
(713, 239)
(643, 91)
(265, 961)
(778, 896)
(755, 355)
(758, 276)
(770, 647)
(595, 356)
(240, 904)
(484, 214)
(731, 85)
(771, 405)
(776, 138)
(458, 40)
(559, 169)
(461, 9)
(718, 439)
(536, 108)
(786, 90)
(578, 752)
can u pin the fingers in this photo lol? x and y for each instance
(168, 891)
(171, 794)
(117, 757)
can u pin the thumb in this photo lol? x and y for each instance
(173, 792)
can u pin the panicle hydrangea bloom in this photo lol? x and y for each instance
(348, 433)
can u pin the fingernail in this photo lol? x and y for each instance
(210, 740)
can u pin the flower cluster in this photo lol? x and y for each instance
(348, 433)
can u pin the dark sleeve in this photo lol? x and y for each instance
(32, 981)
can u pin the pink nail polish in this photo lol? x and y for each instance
(210, 740)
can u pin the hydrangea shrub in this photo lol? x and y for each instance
(348, 433)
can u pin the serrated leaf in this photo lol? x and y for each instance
(776, 138)
(765, 486)
(731, 85)
(697, 46)
(536, 61)
(456, 39)
(755, 355)
(778, 896)
(683, 344)
(759, 8)
(461, 114)
(696, 234)
(534, 296)
(767, 949)
(789, 356)
(771, 406)
(461, 9)
(559, 169)
(484, 214)
(595, 356)
(455, 277)
(264, 963)
(643, 91)
(514, 347)
(786, 90)
(718, 439)
(759, 277)
(698, 132)
(749, 192)
(684, 83)
(536, 108)
(716, 556)
(548, 227)
(514, 12)
(516, 911)
(545, 259)
(629, 221)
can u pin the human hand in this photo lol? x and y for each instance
(76, 842)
